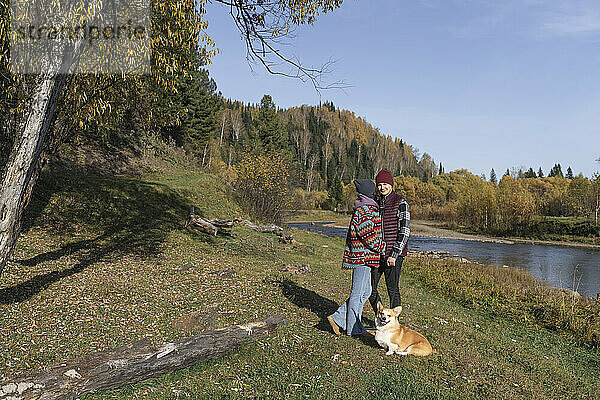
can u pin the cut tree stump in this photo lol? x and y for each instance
(131, 363)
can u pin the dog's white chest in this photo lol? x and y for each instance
(383, 338)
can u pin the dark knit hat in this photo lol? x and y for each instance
(365, 186)
(384, 177)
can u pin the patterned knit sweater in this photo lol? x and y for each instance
(364, 240)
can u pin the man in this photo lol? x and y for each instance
(396, 230)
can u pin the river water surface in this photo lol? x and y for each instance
(571, 267)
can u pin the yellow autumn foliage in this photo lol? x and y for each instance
(263, 186)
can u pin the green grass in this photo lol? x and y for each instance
(84, 279)
(513, 294)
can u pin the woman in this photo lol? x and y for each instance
(364, 247)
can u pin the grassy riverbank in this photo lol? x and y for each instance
(105, 261)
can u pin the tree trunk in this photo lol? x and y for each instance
(597, 206)
(204, 155)
(210, 226)
(131, 363)
(222, 130)
(23, 165)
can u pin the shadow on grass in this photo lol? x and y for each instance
(68, 249)
(25, 290)
(305, 298)
(125, 217)
(321, 306)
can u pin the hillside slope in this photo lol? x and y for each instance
(105, 261)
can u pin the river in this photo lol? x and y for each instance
(571, 267)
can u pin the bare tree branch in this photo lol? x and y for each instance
(264, 26)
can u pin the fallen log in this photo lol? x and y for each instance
(131, 363)
(264, 228)
(197, 222)
(222, 223)
(210, 226)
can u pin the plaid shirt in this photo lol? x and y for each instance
(403, 229)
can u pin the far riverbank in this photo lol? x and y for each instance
(433, 230)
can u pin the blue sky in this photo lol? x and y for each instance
(477, 84)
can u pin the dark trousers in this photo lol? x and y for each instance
(392, 275)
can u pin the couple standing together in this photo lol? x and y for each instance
(376, 244)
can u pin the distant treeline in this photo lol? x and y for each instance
(512, 205)
(323, 144)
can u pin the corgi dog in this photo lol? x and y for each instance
(396, 338)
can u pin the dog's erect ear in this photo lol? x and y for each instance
(379, 306)
(397, 310)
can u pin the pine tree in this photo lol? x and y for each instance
(507, 173)
(335, 193)
(271, 134)
(353, 159)
(540, 173)
(441, 172)
(493, 177)
(569, 173)
(530, 173)
(556, 171)
(199, 102)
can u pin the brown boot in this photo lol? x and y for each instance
(336, 329)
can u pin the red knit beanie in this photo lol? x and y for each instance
(384, 177)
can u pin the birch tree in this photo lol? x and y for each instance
(177, 31)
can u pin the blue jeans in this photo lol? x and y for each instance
(348, 315)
